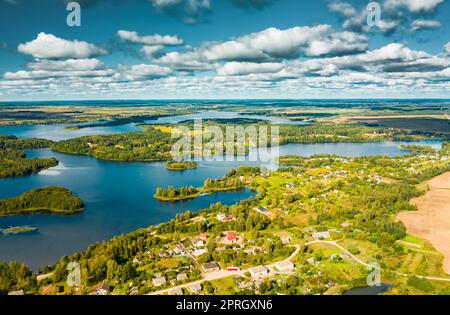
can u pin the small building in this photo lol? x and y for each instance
(182, 277)
(198, 242)
(176, 291)
(258, 272)
(203, 236)
(321, 235)
(225, 218)
(261, 209)
(291, 185)
(231, 236)
(284, 265)
(285, 240)
(102, 289)
(157, 282)
(199, 252)
(195, 288)
(210, 267)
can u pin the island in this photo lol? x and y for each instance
(181, 165)
(14, 230)
(211, 185)
(56, 200)
(171, 194)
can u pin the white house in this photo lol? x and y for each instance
(157, 282)
(284, 265)
(258, 272)
(321, 235)
(199, 252)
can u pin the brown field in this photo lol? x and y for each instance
(432, 220)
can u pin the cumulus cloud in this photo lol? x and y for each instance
(415, 6)
(244, 68)
(142, 72)
(67, 65)
(51, 47)
(394, 15)
(422, 24)
(150, 40)
(273, 43)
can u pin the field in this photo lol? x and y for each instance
(432, 220)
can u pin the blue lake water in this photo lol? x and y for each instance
(119, 196)
(59, 132)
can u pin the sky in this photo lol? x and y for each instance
(224, 49)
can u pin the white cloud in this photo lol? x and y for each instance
(150, 52)
(50, 46)
(424, 24)
(150, 40)
(142, 72)
(66, 65)
(244, 68)
(272, 43)
(447, 48)
(416, 6)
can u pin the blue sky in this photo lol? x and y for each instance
(152, 49)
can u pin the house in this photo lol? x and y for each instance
(195, 288)
(102, 289)
(182, 277)
(198, 242)
(261, 209)
(284, 265)
(199, 252)
(210, 267)
(157, 282)
(136, 261)
(231, 236)
(225, 218)
(285, 240)
(203, 236)
(291, 185)
(258, 272)
(311, 261)
(321, 235)
(20, 292)
(176, 291)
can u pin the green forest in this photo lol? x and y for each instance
(56, 200)
(14, 163)
(181, 165)
(176, 194)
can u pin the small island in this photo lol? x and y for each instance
(57, 200)
(14, 230)
(181, 165)
(210, 186)
(171, 194)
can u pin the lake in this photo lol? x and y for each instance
(119, 196)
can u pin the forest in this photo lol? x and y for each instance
(15, 163)
(176, 194)
(181, 165)
(57, 200)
